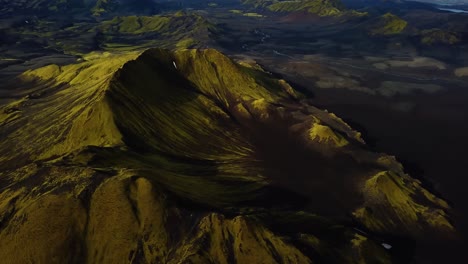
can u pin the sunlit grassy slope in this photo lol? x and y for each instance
(181, 29)
(319, 7)
(171, 24)
(188, 157)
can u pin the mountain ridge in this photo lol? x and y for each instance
(141, 134)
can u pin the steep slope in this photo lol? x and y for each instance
(189, 157)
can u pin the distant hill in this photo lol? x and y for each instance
(180, 29)
(318, 7)
(64, 7)
(388, 24)
(121, 32)
(438, 36)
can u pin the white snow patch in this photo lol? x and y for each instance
(386, 246)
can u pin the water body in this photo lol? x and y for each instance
(453, 10)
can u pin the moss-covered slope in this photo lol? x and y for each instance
(189, 157)
(319, 7)
(439, 36)
(174, 24)
(389, 24)
(180, 30)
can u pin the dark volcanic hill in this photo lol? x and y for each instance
(69, 7)
(189, 157)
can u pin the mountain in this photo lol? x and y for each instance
(189, 157)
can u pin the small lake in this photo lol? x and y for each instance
(453, 10)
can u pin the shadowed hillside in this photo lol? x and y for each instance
(74, 7)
